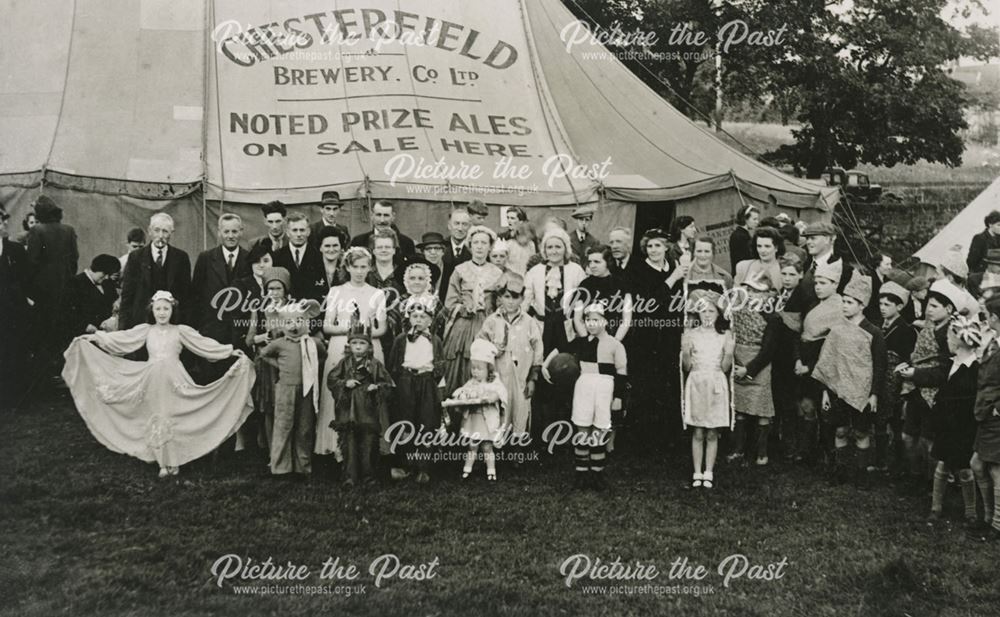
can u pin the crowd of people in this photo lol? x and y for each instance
(376, 354)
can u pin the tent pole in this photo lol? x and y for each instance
(736, 185)
(206, 83)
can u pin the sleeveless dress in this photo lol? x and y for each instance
(706, 389)
(153, 410)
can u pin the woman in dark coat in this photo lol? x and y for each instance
(655, 341)
(739, 241)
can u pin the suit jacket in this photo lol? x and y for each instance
(211, 277)
(345, 235)
(138, 286)
(871, 311)
(900, 338)
(406, 246)
(807, 286)
(249, 290)
(309, 278)
(739, 248)
(981, 243)
(53, 255)
(450, 261)
(283, 240)
(15, 274)
(85, 305)
(580, 248)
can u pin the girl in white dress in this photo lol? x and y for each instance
(153, 410)
(707, 359)
(355, 299)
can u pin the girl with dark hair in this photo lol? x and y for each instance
(682, 234)
(607, 286)
(739, 241)
(763, 271)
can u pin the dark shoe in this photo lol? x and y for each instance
(600, 482)
(581, 480)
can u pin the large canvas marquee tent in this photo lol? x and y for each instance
(117, 110)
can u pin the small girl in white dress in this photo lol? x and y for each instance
(707, 359)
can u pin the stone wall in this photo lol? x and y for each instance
(899, 229)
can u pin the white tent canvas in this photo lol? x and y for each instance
(958, 233)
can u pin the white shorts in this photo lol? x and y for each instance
(592, 397)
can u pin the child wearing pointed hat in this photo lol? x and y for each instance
(298, 358)
(486, 413)
(598, 392)
(816, 325)
(361, 387)
(900, 338)
(852, 367)
(924, 373)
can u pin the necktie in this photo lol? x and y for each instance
(298, 257)
(230, 266)
(159, 258)
(310, 366)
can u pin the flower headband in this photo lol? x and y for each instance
(968, 329)
(355, 252)
(163, 295)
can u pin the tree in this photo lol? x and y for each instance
(870, 78)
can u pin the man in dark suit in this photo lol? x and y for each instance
(53, 255)
(819, 244)
(89, 298)
(330, 204)
(987, 239)
(302, 260)
(15, 317)
(582, 240)
(620, 242)
(152, 268)
(274, 219)
(212, 286)
(880, 266)
(383, 217)
(456, 249)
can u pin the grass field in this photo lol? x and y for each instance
(89, 532)
(980, 164)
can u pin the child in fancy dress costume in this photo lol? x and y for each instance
(597, 392)
(361, 387)
(518, 339)
(707, 362)
(298, 358)
(954, 417)
(482, 422)
(416, 363)
(851, 367)
(153, 410)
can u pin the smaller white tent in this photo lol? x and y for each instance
(959, 232)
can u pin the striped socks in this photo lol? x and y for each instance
(598, 455)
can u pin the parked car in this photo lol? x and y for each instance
(856, 185)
